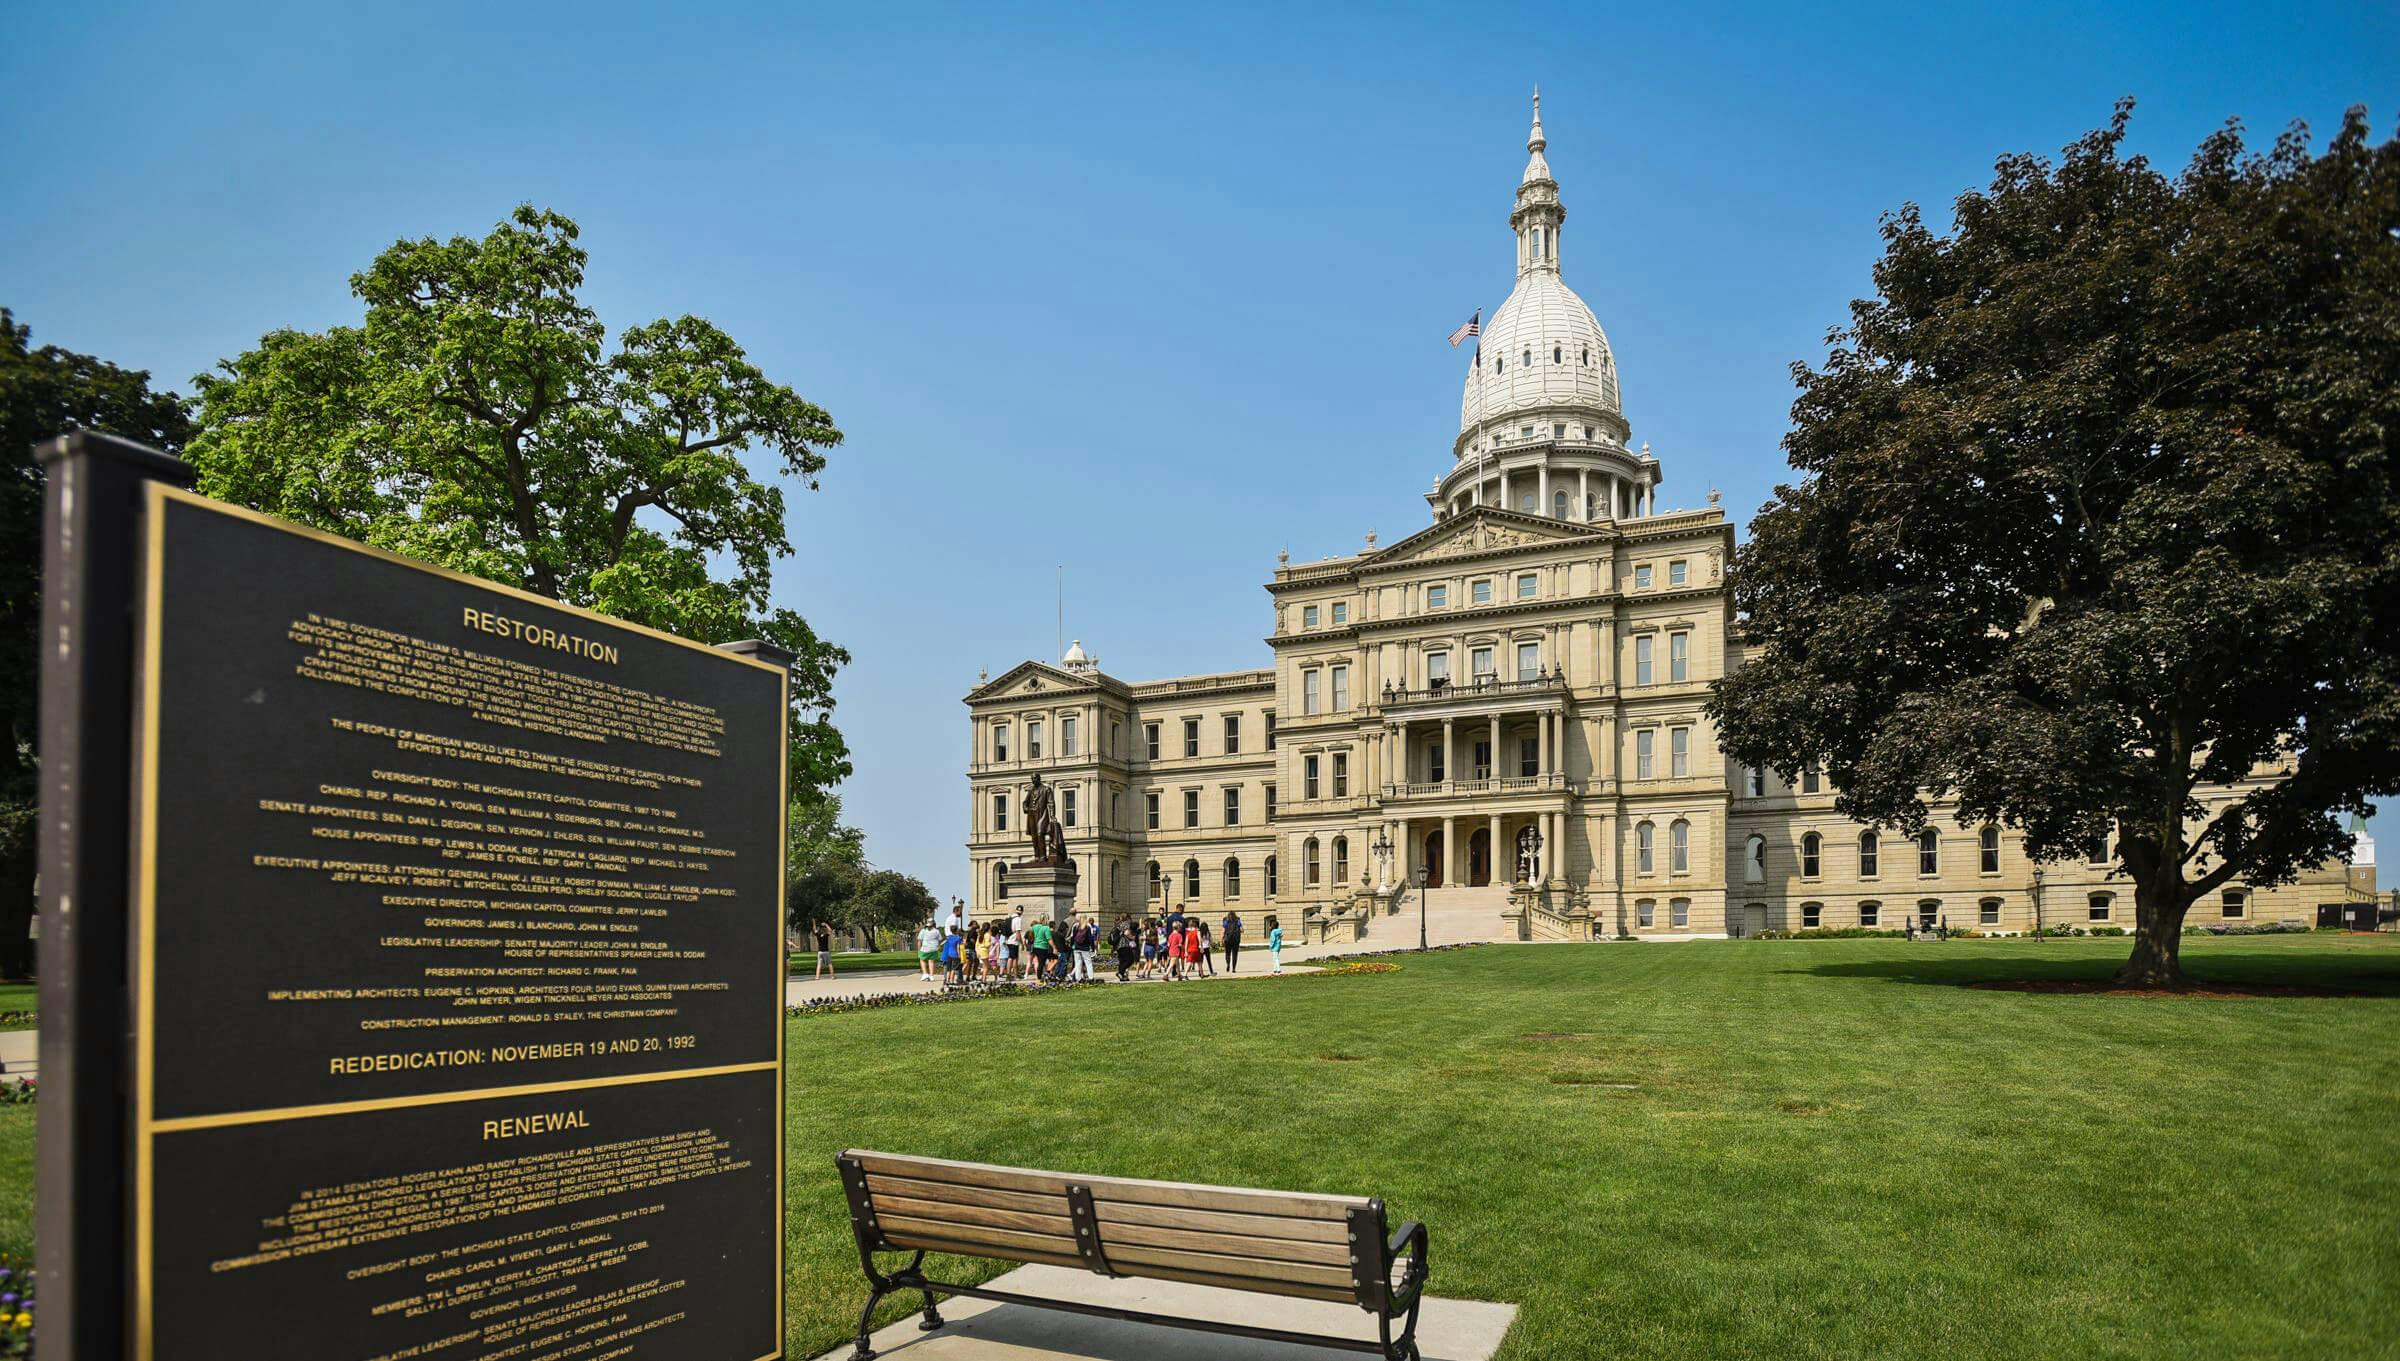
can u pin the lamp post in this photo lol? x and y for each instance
(1420, 878)
(1533, 862)
(2037, 904)
(1382, 847)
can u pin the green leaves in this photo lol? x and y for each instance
(2097, 507)
(477, 419)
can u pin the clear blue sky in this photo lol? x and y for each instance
(1150, 292)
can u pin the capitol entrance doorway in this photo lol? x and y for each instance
(1479, 858)
(1433, 859)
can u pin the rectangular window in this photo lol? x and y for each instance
(1679, 912)
(1308, 616)
(1987, 912)
(999, 812)
(1341, 774)
(1270, 803)
(1808, 781)
(1270, 730)
(1150, 807)
(1480, 661)
(1870, 914)
(1308, 776)
(1437, 668)
(1812, 915)
(1529, 661)
(1116, 736)
(1529, 756)
(1677, 572)
(1437, 597)
(1679, 753)
(1641, 577)
(2236, 904)
(1233, 734)
(1481, 592)
(999, 741)
(1191, 808)
(1116, 809)
(2098, 908)
(1150, 739)
(1526, 584)
(1483, 760)
(1191, 737)
(1645, 745)
(2095, 851)
(1679, 656)
(1870, 855)
(1757, 781)
(1434, 762)
(1679, 847)
(1645, 848)
(1341, 612)
(1308, 693)
(1646, 913)
(1066, 808)
(1033, 739)
(1341, 689)
(1233, 805)
(1068, 738)
(1987, 854)
(1645, 667)
(1929, 853)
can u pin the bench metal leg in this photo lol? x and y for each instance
(933, 1317)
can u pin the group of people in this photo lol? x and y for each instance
(1174, 947)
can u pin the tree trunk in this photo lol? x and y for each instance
(2157, 959)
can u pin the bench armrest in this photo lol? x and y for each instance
(1410, 1238)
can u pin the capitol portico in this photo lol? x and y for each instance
(1507, 701)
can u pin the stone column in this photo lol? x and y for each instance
(1544, 758)
(1495, 764)
(1449, 851)
(1499, 853)
(1449, 758)
(1583, 494)
(1542, 507)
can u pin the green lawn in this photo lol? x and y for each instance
(1827, 1148)
(804, 962)
(18, 997)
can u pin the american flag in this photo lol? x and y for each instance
(1474, 327)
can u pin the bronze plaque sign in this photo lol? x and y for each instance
(458, 966)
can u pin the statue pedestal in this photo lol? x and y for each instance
(1044, 890)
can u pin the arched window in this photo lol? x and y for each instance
(1587, 356)
(1679, 847)
(1929, 912)
(1645, 847)
(1929, 852)
(1987, 844)
(1341, 860)
(1812, 915)
(1157, 886)
(1556, 357)
(1495, 363)
(1812, 856)
(1112, 880)
(1191, 879)
(1529, 356)
(1754, 859)
(1591, 507)
(1870, 913)
(1987, 912)
(1558, 505)
(1308, 863)
(1870, 858)
(1233, 877)
(2098, 907)
(1270, 876)
(1000, 881)
(1645, 912)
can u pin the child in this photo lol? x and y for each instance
(1274, 944)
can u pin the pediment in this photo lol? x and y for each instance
(1479, 530)
(1030, 678)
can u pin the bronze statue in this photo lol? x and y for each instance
(1041, 823)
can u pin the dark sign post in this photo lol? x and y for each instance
(454, 966)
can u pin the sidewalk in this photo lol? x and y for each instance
(800, 989)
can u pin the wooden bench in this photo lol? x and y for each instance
(1272, 1242)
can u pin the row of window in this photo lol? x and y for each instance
(1558, 355)
(1870, 853)
(1480, 664)
(1070, 740)
(1679, 573)
(1529, 759)
(1191, 736)
(1070, 736)
(1679, 657)
(1679, 753)
(1231, 870)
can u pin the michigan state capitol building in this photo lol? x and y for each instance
(1508, 701)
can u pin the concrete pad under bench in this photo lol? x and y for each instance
(979, 1330)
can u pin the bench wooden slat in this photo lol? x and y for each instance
(969, 1248)
(917, 1188)
(1254, 1284)
(1004, 1241)
(1186, 1240)
(1212, 1221)
(1057, 1225)
(1232, 1267)
(1186, 1195)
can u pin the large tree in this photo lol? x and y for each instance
(2096, 519)
(45, 392)
(477, 418)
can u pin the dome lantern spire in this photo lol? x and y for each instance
(1538, 211)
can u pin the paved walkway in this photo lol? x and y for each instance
(20, 1054)
(801, 988)
(978, 1330)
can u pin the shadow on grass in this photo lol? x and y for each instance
(2214, 975)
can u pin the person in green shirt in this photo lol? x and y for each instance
(1040, 932)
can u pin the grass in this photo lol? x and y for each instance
(19, 998)
(1726, 1149)
(804, 962)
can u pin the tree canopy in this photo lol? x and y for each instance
(2094, 530)
(478, 419)
(45, 392)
